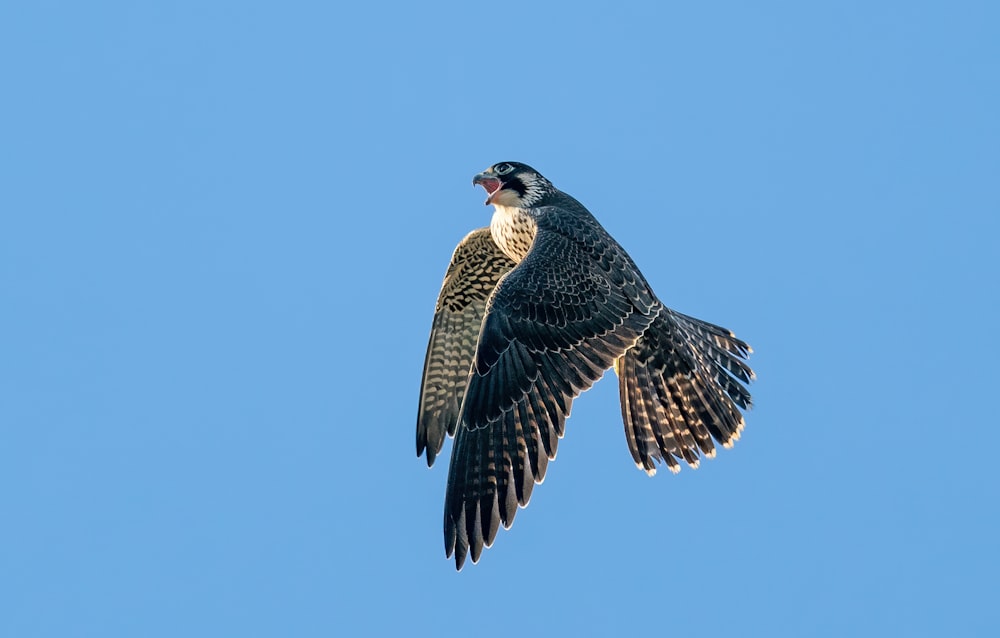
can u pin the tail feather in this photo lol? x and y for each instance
(641, 441)
(681, 387)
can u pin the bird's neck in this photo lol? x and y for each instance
(513, 231)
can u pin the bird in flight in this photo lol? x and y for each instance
(534, 309)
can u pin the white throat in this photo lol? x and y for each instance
(513, 231)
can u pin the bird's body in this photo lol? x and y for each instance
(532, 312)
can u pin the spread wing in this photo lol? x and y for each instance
(553, 326)
(681, 386)
(476, 267)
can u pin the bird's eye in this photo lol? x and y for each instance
(503, 168)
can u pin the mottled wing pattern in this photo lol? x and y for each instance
(476, 267)
(681, 387)
(553, 326)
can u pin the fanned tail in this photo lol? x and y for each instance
(682, 388)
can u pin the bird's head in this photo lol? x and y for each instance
(513, 184)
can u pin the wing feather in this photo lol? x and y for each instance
(476, 266)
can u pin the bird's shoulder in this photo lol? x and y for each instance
(561, 219)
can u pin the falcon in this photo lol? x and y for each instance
(533, 311)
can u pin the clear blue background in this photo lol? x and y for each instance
(224, 226)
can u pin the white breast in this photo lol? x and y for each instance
(513, 231)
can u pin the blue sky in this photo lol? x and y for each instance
(225, 225)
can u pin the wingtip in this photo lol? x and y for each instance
(459, 560)
(455, 541)
(431, 456)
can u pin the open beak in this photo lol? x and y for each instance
(490, 182)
